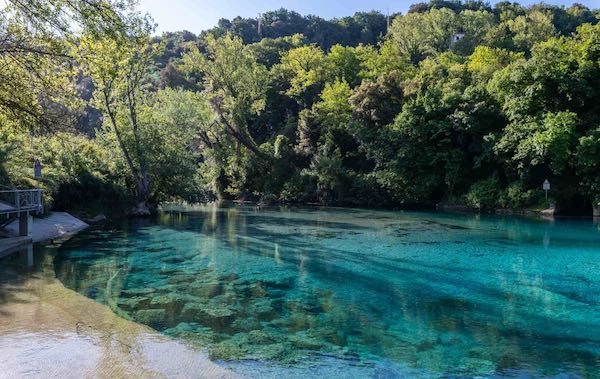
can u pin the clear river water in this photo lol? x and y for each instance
(311, 292)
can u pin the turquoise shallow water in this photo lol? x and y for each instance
(284, 292)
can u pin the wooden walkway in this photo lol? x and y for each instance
(6, 208)
(17, 201)
(18, 204)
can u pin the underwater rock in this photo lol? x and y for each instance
(182, 327)
(260, 337)
(230, 277)
(192, 332)
(262, 309)
(282, 352)
(277, 293)
(478, 366)
(181, 279)
(169, 271)
(213, 315)
(246, 324)
(280, 322)
(276, 280)
(425, 345)
(137, 292)
(327, 333)
(173, 259)
(305, 306)
(151, 317)
(171, 300)
(191, 311)
(257, 290)
(302, 341)
(206, 289)
(132, 303)
(226, 350)
(219, 312)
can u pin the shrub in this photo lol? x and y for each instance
(516, 196)
(484, 194)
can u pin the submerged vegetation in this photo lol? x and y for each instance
(453, 102)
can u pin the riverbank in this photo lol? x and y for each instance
(56, 226)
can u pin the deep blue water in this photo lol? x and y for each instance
(282, 292)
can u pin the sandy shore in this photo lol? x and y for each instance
(49, 331)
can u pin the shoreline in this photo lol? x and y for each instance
(539, 214)
(43, 321)
(56, 226)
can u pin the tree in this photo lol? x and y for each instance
(37, 80)
(268, 51)
(343, 63)
(119, 68)
(475, 25)
(588, 165)
(236, 85)
(486, 61)
(303, 68)
(528, 30)
(419, 35)
(546, 141)
(178, 132)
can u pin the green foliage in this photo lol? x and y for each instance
(547, 141)
(457, 101)
(327, 171)
(517, 196)
(419, 35)
(484, 194)
(303, 68)
(532, 28)
(485, 61)
(71, 163)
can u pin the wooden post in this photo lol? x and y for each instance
(23, 224)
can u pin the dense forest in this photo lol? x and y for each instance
(451, 103)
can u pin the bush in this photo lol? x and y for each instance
(484, 194)
(515, 196)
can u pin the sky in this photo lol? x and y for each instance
(198, 15)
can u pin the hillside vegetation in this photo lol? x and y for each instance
(455, 102)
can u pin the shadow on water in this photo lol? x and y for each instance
(280, 285)
(15, 269)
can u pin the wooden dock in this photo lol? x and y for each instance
(21, 205)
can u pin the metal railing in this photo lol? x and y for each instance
(21, 200)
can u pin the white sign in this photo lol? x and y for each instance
(546, 185)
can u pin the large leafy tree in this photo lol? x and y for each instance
(234, 83)
(419, 35)
(303, 68)
(119, 66)
(236, 86)
(36, 73)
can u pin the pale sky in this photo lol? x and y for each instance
(198, 15)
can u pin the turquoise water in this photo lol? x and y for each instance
(284, 292)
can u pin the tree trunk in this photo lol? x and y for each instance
(596, 209)
(142, 195)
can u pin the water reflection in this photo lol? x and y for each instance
(447, 294)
